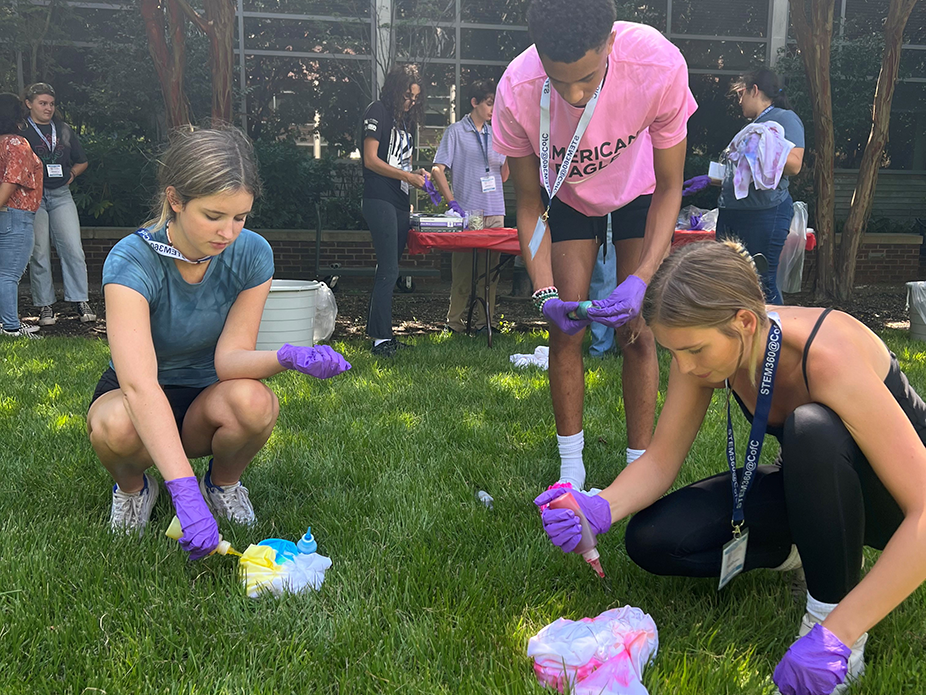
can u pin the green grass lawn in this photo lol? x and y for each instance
(430, 592)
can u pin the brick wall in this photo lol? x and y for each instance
(293, 253)
(883, 259)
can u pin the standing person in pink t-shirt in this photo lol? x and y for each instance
(617, 105)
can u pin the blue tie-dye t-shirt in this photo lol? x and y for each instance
(187, 319)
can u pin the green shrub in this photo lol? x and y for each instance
(119, 188)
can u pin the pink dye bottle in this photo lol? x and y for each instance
(587, 546)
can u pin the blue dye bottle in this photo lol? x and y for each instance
(307, 543)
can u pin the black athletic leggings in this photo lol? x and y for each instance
(825, 498)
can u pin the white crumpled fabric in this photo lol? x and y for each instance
(540, 358)
(261, 573)
(596, 656)
(758, 154)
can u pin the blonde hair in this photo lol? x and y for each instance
(704, 285)
(200, 162)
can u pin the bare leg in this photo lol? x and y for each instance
(116, 443)
(640, 371)
(573, 262)
(232, 420)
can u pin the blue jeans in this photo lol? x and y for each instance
(16, 238)
(760, 231)
(57, 220)
(604, 280)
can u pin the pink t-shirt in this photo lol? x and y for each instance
(644, 103)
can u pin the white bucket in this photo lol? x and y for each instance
(916, 292)
(289, 315)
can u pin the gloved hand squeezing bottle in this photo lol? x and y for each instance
(563, 527)
(200, 532)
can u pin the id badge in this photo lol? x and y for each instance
(405, 187)
(488, 184)
(537, 237)
(55, 171)
(734, 559)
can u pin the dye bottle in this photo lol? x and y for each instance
(307, 543)
(175, 531)
(588, 544)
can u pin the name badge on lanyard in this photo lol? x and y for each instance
(541, 227)
(53, 171)
(167, 250)
(734, 552)
(487, 181)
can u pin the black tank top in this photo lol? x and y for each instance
(896, 381)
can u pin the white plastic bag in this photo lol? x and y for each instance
(691, 217)
(596, 656)
(791, 262)
(326, 311)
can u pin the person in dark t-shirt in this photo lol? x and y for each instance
(387, 139)
(63, 160)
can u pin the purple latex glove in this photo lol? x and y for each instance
(432, 191)
(621, 305)
(457, 208)
(320, 361)
(698, 183)
(557, 311)
(200, 532)
(563, 526)
(814, 665)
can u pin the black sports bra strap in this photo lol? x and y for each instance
(813, 334)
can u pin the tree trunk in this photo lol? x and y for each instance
(860, 208)
(169, 60)
(814, 39)
(220, 15)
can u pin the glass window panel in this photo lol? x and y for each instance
(651, 13)
(335, 8)
(720, 17)
(512, 12)
(721, 55)
(426, 10)
(421, 42)
(306, 36)
(490, 44)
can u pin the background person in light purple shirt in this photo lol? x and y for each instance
(478, 172)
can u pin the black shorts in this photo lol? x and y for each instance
(628, 222)
(179, 397)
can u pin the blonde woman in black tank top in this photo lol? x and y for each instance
(852, 468)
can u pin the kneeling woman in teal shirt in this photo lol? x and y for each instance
(184, 297)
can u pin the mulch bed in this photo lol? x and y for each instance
(424, 311)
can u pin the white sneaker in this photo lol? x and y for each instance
(84, 312)
(23, 331)
(856, 658)
(231, 502)
(130, 512)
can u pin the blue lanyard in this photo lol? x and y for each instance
(50, 144)
(767, 109)
(759, 424)
(483, 146)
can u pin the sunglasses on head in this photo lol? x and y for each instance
(39, 88)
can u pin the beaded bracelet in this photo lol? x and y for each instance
(542, 295)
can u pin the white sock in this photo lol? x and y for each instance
(818, 609)
(571, 468)
(634, 454)
(377, 341)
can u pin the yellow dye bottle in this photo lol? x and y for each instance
(175, 531)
